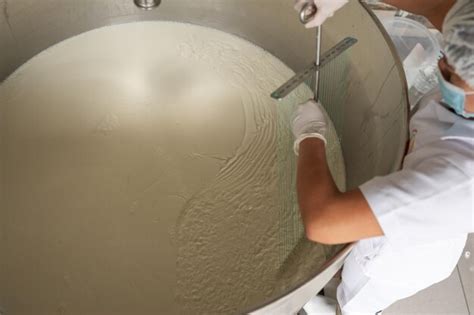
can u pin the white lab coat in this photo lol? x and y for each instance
(425, 210)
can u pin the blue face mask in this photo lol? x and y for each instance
(454, 96)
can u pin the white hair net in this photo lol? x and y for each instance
(458, 31)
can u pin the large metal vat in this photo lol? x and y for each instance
(372, 124)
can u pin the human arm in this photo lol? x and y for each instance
(431, 198)
(434, 10)
(330, 216)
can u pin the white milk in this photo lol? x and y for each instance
(143, 171)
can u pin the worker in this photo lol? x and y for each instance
(410, 227)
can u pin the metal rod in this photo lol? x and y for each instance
(318, 63)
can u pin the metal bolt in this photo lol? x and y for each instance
(467, 254)
(147, 4)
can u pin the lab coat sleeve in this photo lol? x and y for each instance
(430, 201)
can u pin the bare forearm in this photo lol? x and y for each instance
(433, 10)
(330, 216)
(315, 184)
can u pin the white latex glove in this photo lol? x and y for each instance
(309, 121)
(326, 9)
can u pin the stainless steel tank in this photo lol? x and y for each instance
(372, 123)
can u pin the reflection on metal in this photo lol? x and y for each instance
(292, 302)
(306, 73)
(147, 4)
(308, 11)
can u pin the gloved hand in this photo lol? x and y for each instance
(309, 121)
(326, 9)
